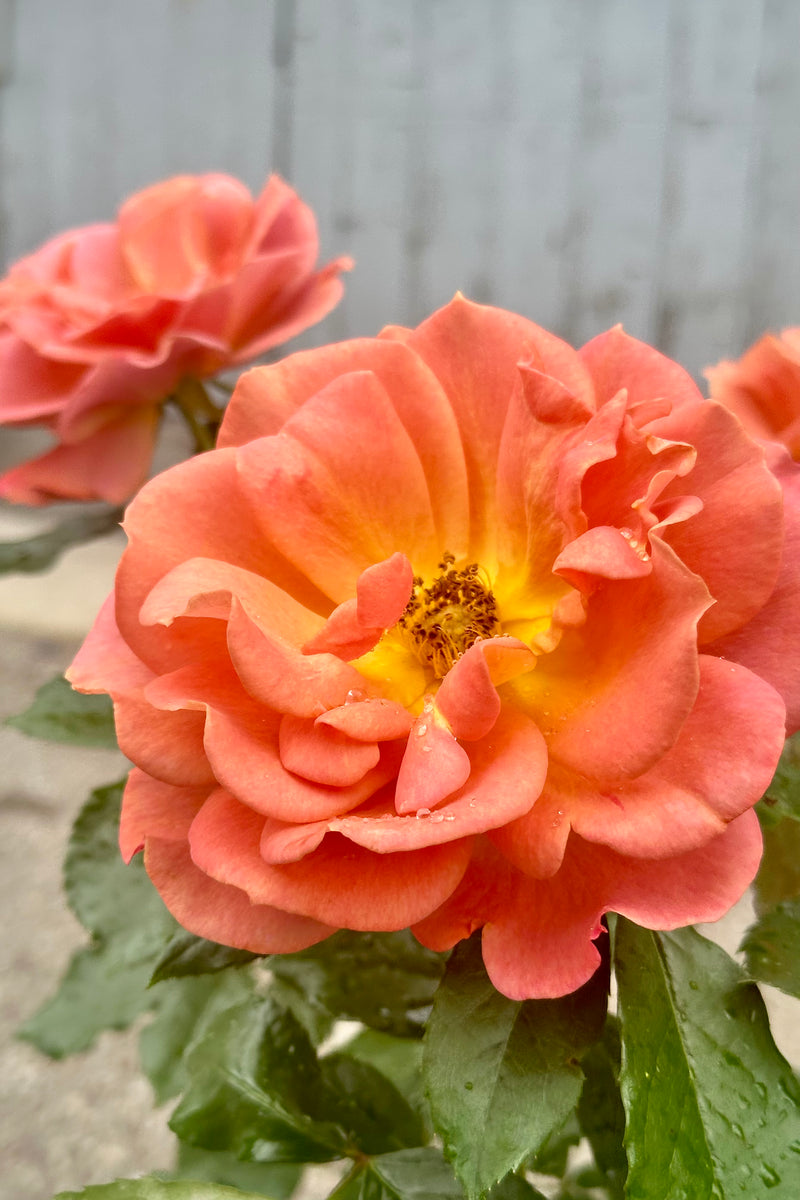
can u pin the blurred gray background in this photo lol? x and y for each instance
(581, 161)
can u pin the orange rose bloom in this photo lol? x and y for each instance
(763, 388)
(100, 325)
(457, 628)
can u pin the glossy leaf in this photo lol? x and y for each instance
(600, 1112)
(399, 1059)
(256, 1088)
(253, 1082)
(374, 1115)
(159, 1189)
(41, 551)
(188, 954)
(772, 947)
(184, 1008)
(420, 1174)
(502, 1075)
(778, 876)
(58, 714)
(105, 985)
(385, 980)
(782, 798)
(274, 1180)
(712, 1107)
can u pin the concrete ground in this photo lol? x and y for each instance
(89, 1118)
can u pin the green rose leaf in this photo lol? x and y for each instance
(105, 986)
(419, 1174)
(503, 1075)
(253, 1084)
(184, 1008)
(772, 947)
(58, 714)
(159, 1189)
(256, 1088)
(514, 1187)
(712, 1106)
(782, 798)
(779, 874)
(363, 1102)
(38, 552)
(399, 1060)
(600, 1111)
(385, 980)
(188, 954)
(274, 1180)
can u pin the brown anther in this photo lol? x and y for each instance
(448, 616)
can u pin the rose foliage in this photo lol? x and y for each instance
(763, 388)
(458, 628)
(101, 324)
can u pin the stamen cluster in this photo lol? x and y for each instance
(448, 616)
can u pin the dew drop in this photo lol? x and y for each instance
(469, 1085)
(426, 749)
(762, 1090)
(694, 985)
(422, 730)
(423, 812)
(795, 1146)
(437, 818)
(472, 804)
(354, 695)
(737, 1129)
(769, 1175)
(449, 816)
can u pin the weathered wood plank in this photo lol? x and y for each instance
(582, 161)
(714, 52)
(770, 284)
(107, 97)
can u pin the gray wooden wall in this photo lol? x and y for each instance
(581, 161)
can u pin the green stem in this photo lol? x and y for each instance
(199, 412)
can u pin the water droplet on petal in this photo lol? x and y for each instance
(354, 695)
(426, 749)
(423, 812)
(422, 730)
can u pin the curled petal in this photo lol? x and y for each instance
(281, 677)
(151, 808)
(433, 767)
(245, 759)
(354, 627)
(339, 884)
(369, 720)
(468, 698)
(324, 755)
(223, 913)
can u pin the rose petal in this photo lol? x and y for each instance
(224, 914)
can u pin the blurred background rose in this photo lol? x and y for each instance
(104, 323)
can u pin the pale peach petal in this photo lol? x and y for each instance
(152, 808)
(224, 914)
(381, 892)
(324, 755)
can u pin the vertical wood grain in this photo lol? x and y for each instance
(581, 161)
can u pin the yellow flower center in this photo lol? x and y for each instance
(448, 616)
